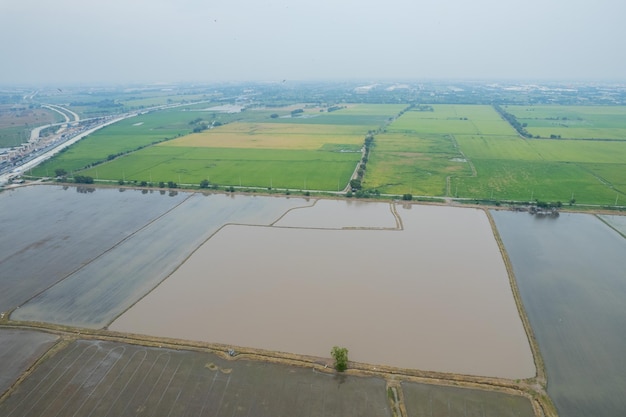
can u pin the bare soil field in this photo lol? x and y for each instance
(17, 121)
(424, 400)
(11, 116)
(98, 379)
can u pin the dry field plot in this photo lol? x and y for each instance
(99, 379)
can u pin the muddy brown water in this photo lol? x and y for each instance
(434, 296)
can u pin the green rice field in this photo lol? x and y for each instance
(573, 122)
(272, 168)
(319, 151)
(470, 152)
(456, 151)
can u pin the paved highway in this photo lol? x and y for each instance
(36, 159)
(15, 171)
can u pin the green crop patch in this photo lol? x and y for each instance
(466, 151)
(573, 122)
(533, 180)
(122, 137)
(367, 121)
(503, 147)
(265, 168)
(470, 151)
(409, 163)
(419, 152)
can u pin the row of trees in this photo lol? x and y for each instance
(355, 183)
(83, 179)
(520, 127)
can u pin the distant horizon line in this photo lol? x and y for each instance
(366, 81)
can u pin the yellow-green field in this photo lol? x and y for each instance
(273, 136)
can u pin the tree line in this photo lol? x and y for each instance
(520, 127)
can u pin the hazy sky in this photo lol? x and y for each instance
(65, 41)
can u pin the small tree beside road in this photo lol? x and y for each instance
(340, 355)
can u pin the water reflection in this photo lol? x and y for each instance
(545, 216)
(85, 190)
(570, 272)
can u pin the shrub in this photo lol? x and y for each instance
(341, 358)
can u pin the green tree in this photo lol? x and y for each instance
(355, 184)
(204, 184)
(60, 172)
(340, 355)
(83, 179)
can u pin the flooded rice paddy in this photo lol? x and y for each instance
(433, 296)
(19, 349)
(403, 285)
(618, 223)
(49, 232)
(103, 288)
(571, 273)
(341, 214)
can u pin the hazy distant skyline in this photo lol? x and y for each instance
(122, 41)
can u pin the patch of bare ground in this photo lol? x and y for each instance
(533, 388)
